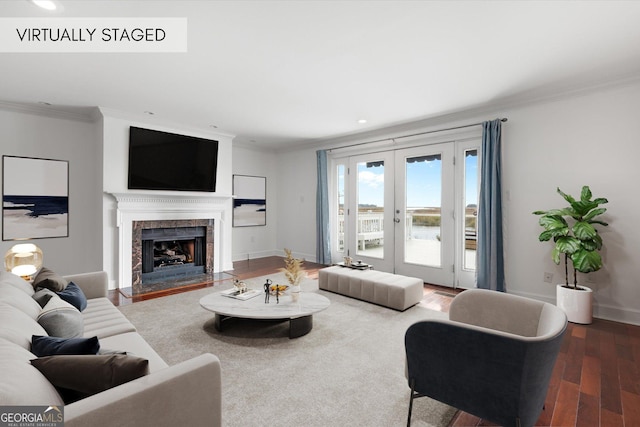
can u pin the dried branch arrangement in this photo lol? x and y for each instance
(293, 268)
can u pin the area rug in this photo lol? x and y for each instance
(348, 371)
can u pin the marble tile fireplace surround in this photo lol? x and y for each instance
(150, 236)
(137, 211)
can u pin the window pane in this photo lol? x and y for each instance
(471, 208)
(423, 206)
(340, 208)
(370, 217)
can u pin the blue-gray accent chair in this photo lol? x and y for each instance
(492, 358)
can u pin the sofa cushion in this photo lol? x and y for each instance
(74, 296)
(53, 346)
(86, 375)
(134, 345)
(49, 279)
(17, 327)
(61, 319)
(16, 282)
(103, 319)
(22, 384)
(18, 299)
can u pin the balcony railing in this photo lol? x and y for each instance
(371, 227)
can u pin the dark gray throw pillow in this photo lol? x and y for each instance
(82, 376)
(50, 280)
(105, 351)
(43, 295)
(53, 346)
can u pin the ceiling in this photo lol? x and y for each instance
(278, 73)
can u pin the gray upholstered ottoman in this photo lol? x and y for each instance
(387, 289)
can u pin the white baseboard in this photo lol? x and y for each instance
(253, 255)
(600, 311)
(302, 256)
(623, 315)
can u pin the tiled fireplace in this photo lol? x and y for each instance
(205, 219)
(169, 249)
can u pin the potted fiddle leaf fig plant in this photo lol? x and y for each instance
(577, 240)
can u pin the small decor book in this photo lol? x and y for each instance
(235, 293)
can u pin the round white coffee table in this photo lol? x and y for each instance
(299, 314)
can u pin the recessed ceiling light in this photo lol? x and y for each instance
(45, 4)
(213, 126)
(150, 113)
(362, 121)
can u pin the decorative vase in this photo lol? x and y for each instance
(295, 293)
(576, 303)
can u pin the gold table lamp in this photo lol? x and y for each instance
(23, 260)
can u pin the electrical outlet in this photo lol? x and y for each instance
(548, 277)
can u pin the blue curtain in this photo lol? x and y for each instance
(323, 246)
(490, 268)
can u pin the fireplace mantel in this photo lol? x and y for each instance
(178, 199)
(140, 206)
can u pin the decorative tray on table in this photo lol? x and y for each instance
(241, 295)
(356, 265)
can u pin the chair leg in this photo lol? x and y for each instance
(410, 404)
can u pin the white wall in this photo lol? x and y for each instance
(31, 134)
(591, 139)
(115, 131)
(583, 139)
(257, 242)
(297, 172)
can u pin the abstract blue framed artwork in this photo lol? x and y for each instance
(35, 198)
(250, 200)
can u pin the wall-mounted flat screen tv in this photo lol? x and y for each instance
(167, 161)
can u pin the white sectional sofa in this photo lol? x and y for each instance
(188, 393)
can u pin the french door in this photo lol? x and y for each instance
(369, 216)
(410, 211)
(425, 228)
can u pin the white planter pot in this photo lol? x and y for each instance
(577, 304)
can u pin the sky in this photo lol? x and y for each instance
(424, 186)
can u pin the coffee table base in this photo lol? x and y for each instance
(298, 326)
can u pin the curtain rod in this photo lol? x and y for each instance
(504, 119)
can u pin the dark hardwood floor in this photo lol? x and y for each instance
(596, 380)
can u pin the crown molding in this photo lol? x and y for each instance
(473, 112)
(81, 114)
(161, 122)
